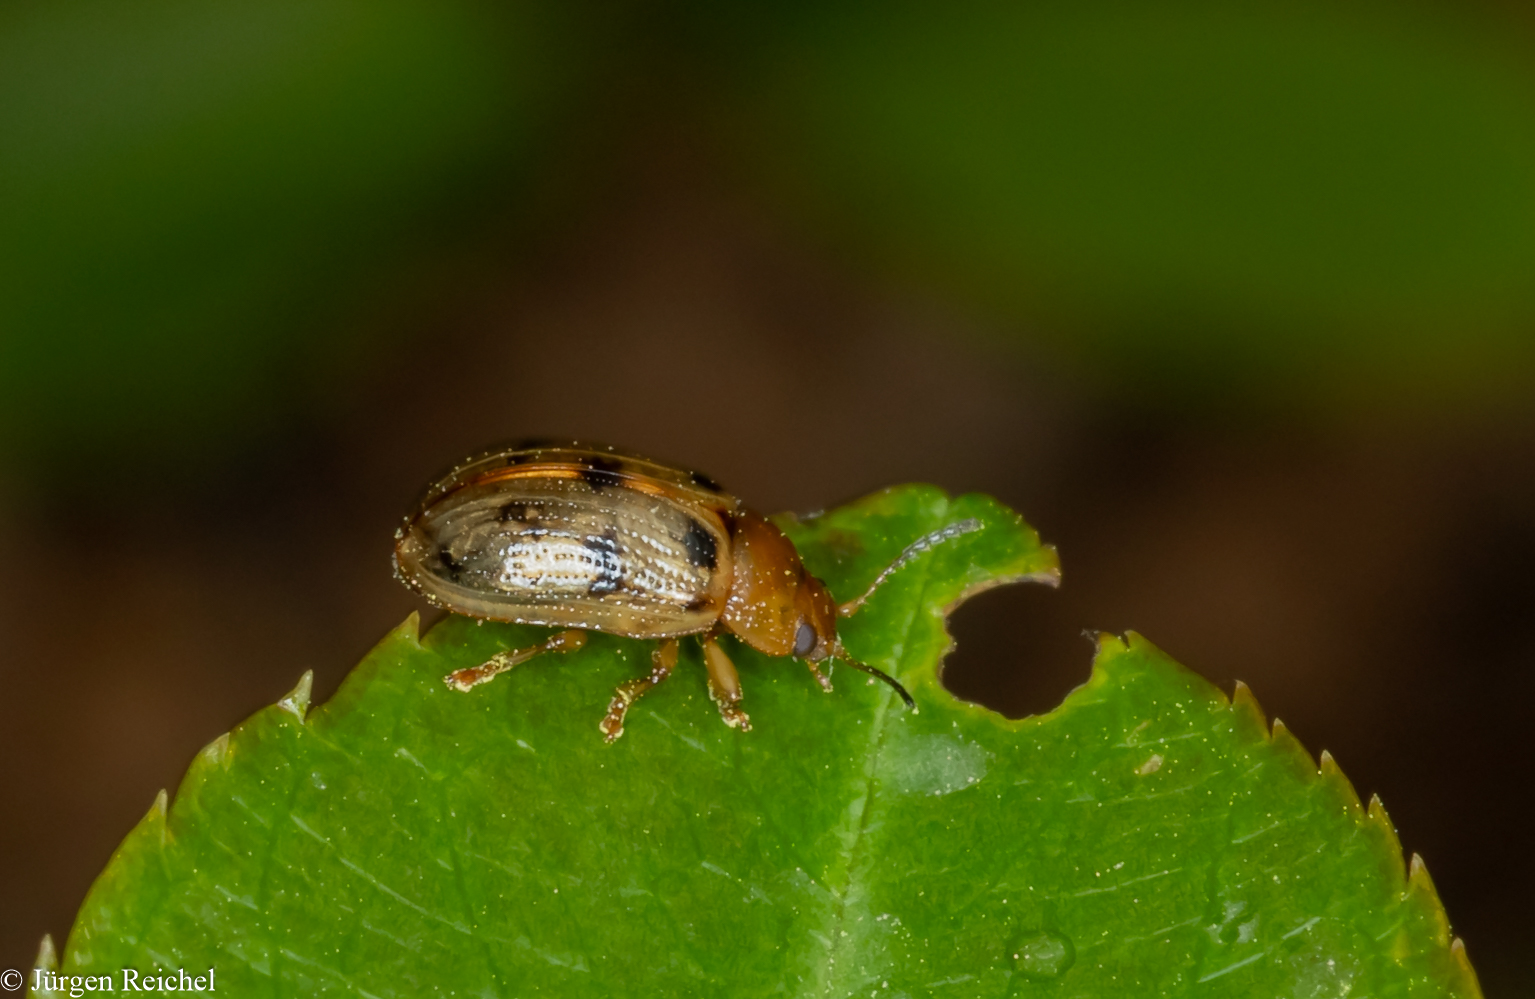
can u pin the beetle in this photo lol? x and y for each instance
(583, 537)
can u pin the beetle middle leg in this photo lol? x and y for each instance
(662, 660)
(560, 641)
(725, 684)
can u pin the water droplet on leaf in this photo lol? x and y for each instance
(1043, 955)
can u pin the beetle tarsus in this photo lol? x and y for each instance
(464, 680)
(731, 713)
(662, 659)
(822, 678)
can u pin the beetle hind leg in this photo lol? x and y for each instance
(662, 660)
(466, 679)
(725, 685)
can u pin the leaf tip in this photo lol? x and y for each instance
(1050, 572)
(1333, 777)
(1421, 885)
(216, 751)
(1470, 985)
(1244, 702)
(1107, 642)
(1417, 876)
(408, 629)
(296, 701)
(1287, 745)
(48, 957)
(154, 820)
(1377, 819)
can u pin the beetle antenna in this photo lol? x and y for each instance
(917, 547)
(874, 671)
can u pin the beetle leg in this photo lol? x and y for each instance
(824, 679)
(725, 685)
(560, 641)
(661, 662)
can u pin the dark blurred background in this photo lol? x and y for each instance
(1236, 305)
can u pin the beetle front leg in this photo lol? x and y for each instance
(725, 685)
(464, 679)
(821, 678)
(662, 660)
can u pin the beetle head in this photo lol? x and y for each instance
(817, 633)
(815, 630)
(775, 606)
(778, 608)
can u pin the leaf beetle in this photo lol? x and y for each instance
(586, 538)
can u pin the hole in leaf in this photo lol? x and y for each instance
(1013, 652)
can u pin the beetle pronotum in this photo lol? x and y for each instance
(584, 538)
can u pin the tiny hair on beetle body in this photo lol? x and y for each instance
(582, 537)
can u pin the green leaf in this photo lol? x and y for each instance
(1149, 837)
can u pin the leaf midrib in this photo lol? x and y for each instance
(871, 771)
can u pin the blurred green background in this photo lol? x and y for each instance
(1237, 300)
(197, 201)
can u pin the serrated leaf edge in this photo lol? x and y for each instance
(1416, 883)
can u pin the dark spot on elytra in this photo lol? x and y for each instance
(453, 566)
(696, 604)
(700, 479)
(530, 449)
(701, 546)
(610, 573)
(607, 541)
(526, 513)
(601, 473)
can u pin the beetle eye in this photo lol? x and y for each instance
(804, 640)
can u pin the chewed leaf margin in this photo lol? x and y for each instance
(850, 546)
